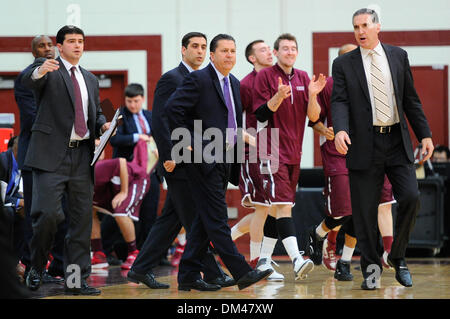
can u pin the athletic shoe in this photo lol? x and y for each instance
(98, 260)
(302, 267)
(329, 255)
(113, 260)
(342, 272)
(253, 263)
(315, 246)
(384, 261)
(130, 260)
(266, 263)
(176, 257)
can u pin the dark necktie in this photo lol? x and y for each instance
(231, 123)
(142, 123)
(80, 122)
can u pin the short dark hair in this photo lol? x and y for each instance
(36, 40)
(187, 37)
(134, 89)
(217, 38)
(373, 14)
(284, 36)
(67, 29)
(249, 49)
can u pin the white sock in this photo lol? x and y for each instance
(347, 253)
(291, 246)
(255, 249)
(235, 233)
(182, 239)
(320, 231)
(267, 247)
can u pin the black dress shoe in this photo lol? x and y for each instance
(199, 284)
(49, 279)
(253, 277)
(84, 290)
(147, 279)
(34, 279)
(223, 281)
(402, 273)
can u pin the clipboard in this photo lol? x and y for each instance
(106, 136)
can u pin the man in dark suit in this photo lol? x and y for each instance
(42, 47)
(212, 97)
(68, 120)
(178, 210)
(137, 125)
(373, 92)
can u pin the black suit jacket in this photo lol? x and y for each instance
(56, 115)
(122, 142)
(166, 85)
(352, 110)
(27, 107)
(200, 97)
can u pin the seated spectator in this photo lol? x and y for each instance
(13, 199)
(119, 189)
(441, 154)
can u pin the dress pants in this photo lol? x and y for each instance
(74, 178)
(58, 249)
(365, 186)
(211, 223)
(148, 211)
(179, 210)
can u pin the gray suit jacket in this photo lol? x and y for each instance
(55, 116)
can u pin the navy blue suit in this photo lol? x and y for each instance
(123, 146)
(200, 97)
(27, 107)
(26, 103)
(122, 142)
(178, 210)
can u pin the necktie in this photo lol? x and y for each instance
(383, 110)
(231, 138)
(80, 122)
(142, 124)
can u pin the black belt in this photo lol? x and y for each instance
(384, 129)
(76, 143)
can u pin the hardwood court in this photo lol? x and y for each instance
(431, 280)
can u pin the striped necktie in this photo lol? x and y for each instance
(383, 110)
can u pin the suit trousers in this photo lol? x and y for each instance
(388, 157)
(178, 212)
(74, 178)
(58, 249)
(210, 224)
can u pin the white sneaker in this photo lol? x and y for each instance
(266, 263)
(328, 255)
(384, 261)
(302, 267)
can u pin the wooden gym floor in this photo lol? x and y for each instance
(431, 280)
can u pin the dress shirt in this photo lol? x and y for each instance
(138, 125)
(84, 94)
(367, 61)
(222, 83)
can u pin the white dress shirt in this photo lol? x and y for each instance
(367, 61)
(222, 83)
(84, 94)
